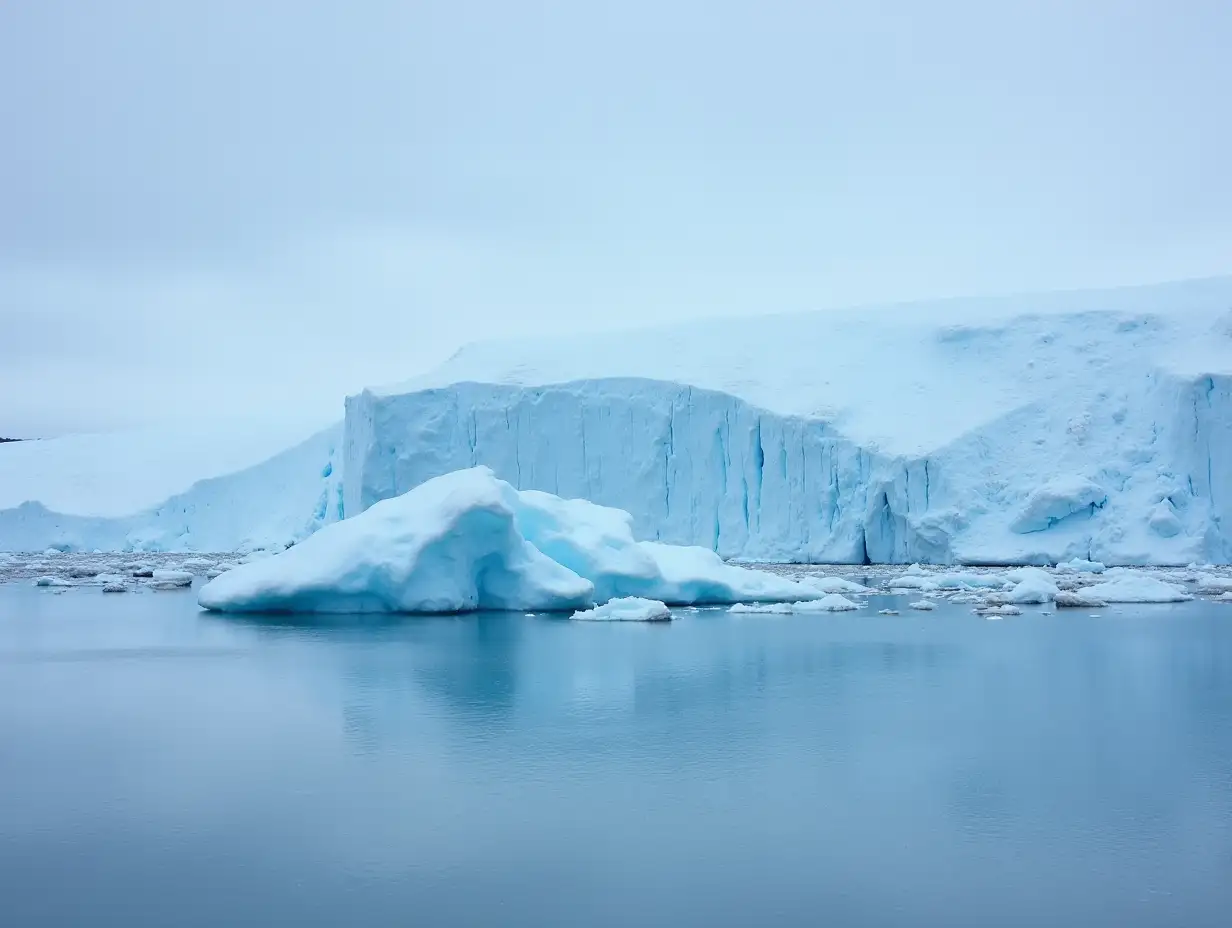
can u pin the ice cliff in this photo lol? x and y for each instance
(1028, 430)
(1093, 425)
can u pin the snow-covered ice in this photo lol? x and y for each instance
(467, 541)
(834, 585)
(764, 608)
(998, 611)
(1078, 599)
(924, 605)
(1136, 588)
(1209, 583)
(1081, 566)
(626, 609)
(832, 602)
(1033, 586)
(170, 577)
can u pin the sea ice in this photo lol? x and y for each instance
(998, 611)
(833, 585)
(1081, 566)
(1209, 583)
(1033, 588)
(832, 602)
(1136, 588)
(924, 605)
(771, 608)
(1077, 599)
(626, 609)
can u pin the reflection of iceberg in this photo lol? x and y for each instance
(468, 541)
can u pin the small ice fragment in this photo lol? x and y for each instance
(626, 609)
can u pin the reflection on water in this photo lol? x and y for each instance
(162, 766)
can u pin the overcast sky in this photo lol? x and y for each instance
(253, 206)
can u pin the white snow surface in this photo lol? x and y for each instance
(467, 540)
(1094, 426)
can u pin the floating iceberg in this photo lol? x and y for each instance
(1209, 583)
(467, 541)
(626, 609)
(833, 602)
(1033, 586)
(1079, 599)
(835, 585)
(1136, 588)
(171, 579)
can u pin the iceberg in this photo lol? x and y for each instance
(831, 602)
(1135, 588)
(1078, 599)
(762, 608)
(467, 541)
(626, 609)
(835, 585)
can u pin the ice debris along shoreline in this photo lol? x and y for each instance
(1077, 427)
(986, 591)
(467, 541)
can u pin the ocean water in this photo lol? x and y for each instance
(160, 766)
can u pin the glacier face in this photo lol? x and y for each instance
(1087, 434)
(1034, 429)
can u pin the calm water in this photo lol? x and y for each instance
(163, 767)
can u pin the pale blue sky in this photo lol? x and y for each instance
(260, 205)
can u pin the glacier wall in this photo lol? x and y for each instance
(271, 504)
(693, 466)
(1022, 430)
(1136, 472)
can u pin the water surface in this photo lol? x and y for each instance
(160, 766)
